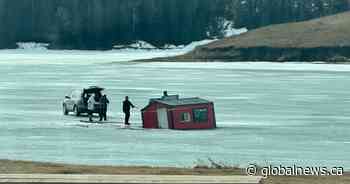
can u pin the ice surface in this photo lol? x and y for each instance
(73, 57)
(270, 113)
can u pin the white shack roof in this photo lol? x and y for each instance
(174, 100)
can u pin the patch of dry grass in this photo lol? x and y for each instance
(27, 167)
(214, 169)
(331, 31)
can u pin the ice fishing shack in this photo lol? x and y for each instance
(172, 112)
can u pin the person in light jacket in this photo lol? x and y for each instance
(91, 106)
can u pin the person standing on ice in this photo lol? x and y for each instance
(103, 109)
(127, 105)
(91, 105)
(165, 94)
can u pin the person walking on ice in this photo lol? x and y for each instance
(127, 105)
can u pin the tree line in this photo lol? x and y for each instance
(100, 24)
(257, 13)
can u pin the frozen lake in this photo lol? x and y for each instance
(267, 113)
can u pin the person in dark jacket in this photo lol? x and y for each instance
(127, 105)
(103, 107)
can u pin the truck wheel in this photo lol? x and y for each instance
(65, 111)
(76, 111)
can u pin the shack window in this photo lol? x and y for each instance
(200, 115)
(185, 117)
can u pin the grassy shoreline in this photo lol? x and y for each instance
(29, 167)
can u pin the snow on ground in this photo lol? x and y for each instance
(32, 46)
(195, 44)
(137, 45)
(170, 46)
(229, 29)
(36, 53)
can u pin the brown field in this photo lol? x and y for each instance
(331, 31)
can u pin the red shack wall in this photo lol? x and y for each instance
(149, 117)
(176, 115)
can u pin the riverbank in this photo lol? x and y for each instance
(325, 39)
(28, 167)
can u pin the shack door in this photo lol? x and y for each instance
(162, 114)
